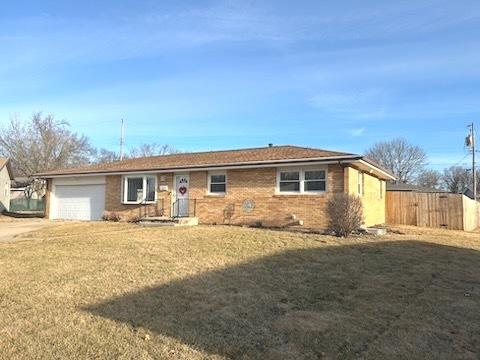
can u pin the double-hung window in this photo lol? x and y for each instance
(314, 180)
(139, 189)
(217, 183)
(289, 181)
(302, 181)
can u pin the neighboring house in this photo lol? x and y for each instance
(469, 193)
(412, 188)
(6, 175)
(18, 189)
(274, 186)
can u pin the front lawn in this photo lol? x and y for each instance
(111, 290)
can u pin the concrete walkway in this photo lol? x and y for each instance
(10, 229)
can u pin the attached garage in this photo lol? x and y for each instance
(81, 198)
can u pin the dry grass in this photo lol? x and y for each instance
(10, 219)
(4, 219)
(111, 290)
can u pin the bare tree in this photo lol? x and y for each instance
(403, 159)
(152, 150)
(430, 178)
(36, 186)
(106, 156)
(42, 144)
(456, 179)
(478, 181)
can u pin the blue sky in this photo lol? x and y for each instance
(204, 75)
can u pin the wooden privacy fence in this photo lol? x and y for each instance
(437, 210)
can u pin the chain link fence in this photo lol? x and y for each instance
(27, 205)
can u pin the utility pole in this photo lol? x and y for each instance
(471, 143)
(122, 139)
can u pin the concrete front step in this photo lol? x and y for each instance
(158, 218)
(156, 223)
(376, 231)
(166, 221)
(188, 221)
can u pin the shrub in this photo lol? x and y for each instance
(346, 214)
(111, 216)
(258, 224)
(134, 219)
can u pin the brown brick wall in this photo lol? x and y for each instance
(113, 199)
(259, 186)
(270, 209)
(252, 184)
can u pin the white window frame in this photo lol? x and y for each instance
(144, 188)
(209, 182)
(302, 171)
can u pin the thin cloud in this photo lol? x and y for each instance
(362, 103)
(53, 39)
(357, 132)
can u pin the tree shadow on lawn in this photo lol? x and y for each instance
(404, 299)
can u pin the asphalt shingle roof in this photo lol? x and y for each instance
(204, 159)
(412, 188)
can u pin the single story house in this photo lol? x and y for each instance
(20, 186)
(412, 188)
(273, 185)
(17, 188)
(6, 175)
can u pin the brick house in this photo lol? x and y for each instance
(274, 185)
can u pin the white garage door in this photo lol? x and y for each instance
(79, 202)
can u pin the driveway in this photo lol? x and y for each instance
(9, 230)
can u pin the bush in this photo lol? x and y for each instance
(346, 214)
(111, 216)
(134, 219)
(258, 224)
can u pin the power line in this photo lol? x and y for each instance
(462, 159)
